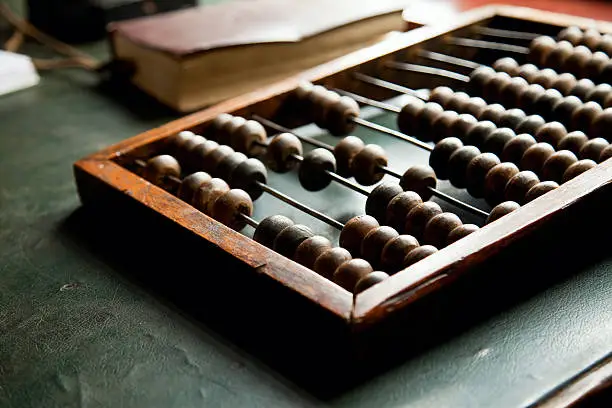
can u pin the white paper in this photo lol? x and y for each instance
(17, 72)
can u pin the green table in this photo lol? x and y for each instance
(75, 330)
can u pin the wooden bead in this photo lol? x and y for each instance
(229, 164)
(313, 101)
(440, 155)
(462, 126)
(228, 208)
(204, 199)
(600, 93)
(429, 114)
(366, 165)
(247, 175)
(210, 162)
(339, 115)
(496, 180)
(530, 125)
(280, 152)
(595, 65)
(475, 105)
(313, 169)
(460, 232)
(191, 184)
(344, 152)
(325, 103)
(176, 142)
(565, 108)
(507, 65)
(420, 179)
(573, 141)
(379, 199)
(200, 154)
(185, 153)
(577, 61)
(408, 117)
(439, 228)
(248, 137)
(458, 163)
(441, 95)
(561, 53)
(302, 91)
(606, 72)
(374, 242)
(591, 38)
(545, 77)
(528, 71)
(540, 189)
(564, 83)
(224, 135)
(511, 94)
(269, 228)
(288, 240)
(494, 88)
(535, 156)
(584, 117)
(551, 133)
(602, 124)
(501, 210)
(441, 128)
(371, 279)
(530, 95)
(608, 102)
(545, 104)
(479, 133)
(327, 263)
(557, 164)
(479, 79)
(457, 102)
(577, 169)
(593, 148)
(516, 147)
(354, 232)
(350, 272)
(605, 45)
(399, 207)
(512, 118)
(160, 168)
(476, 172)
(497, 140)
(419, 254)
(605, 154)
(572, 34)
(419, 216)
(310, 249)
(492, 112)
(518, 186)
(395, 251)
(582, 88)
(540, 48)
(217, 124)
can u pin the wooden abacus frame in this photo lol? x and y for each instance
(103, 175)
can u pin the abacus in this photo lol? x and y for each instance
(510, 105)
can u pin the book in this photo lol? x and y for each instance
(192, 58)
(17, 72)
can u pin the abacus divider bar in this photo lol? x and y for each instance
(436, 56)
(281, 128)
(303, 207)
(404, 66)
(458, 203)
(250, 221)
(369, 101)
(489, 45)
(388, 85)
(501, 33)
(391, 132)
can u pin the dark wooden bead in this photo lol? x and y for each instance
(593, 148)
(280, 152)
(497, 140)
(535, 156)
(313, 169)
(605, 154)
(395, 251)
(584, 117)
(224, 134)
(419, 178)
(577, 169)
(246, 176)
(457, 102)
(371, 279)
(600, 93)
(493, 89)
(204, 199)
(379, 199)
(528, 71)
(366, 164)
(601, 125)
(507, 65)
(269, 228)
(545, 77)
(191, 184)
(199, 157)
(339, 115)
(564, 83)
(606, 44)
(516, 147)
(458, 163)
(210, 162)
(591, 38)
(399, 207)
(557, 164)
(475, 105)
(408, 117)
(323, 106)
(160, 168)
(441, 95)
(419, 216)
(606, 73)
(608, 102)
(228, 208)
(344, 152)
(327, 263)
(557, 57)
(185, 153)
(577, 61)
(374, 242)
(476, 172)
(441, 128)
(511, 94)
(595, 65)
(479, 79)
(540, 189)
(460, 232)
(302, 91)
(573, 141)
(582, 88)
(310, 249)
(551, 133)
(540, 48)
(176, 142)
(354, 232)
(529, 97)
(512, 118)
(217, 124)
(418, 254)
(565, 108)
(439, 228)
(429, 114)
(289, 239)
(479, 133)
(249, 137)
(572, 34)
(492, 112)
(440, 155)
(496, 180)
(501, 210)
(350, 272)
(227, 166)
(462, 126)
(530, 125)
(545, 104)
(518, 186)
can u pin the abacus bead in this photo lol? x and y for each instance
(371, 279)
(191, 184)
(565, 108)
(516, 147)
(493, 89)
(519, 185)
(600, 93)
(477, 171)
(460, 232)
(462, 126)
(441, 95)
(457, 102)
(268, 229)
(323, 106)
(540, 48)
(545, 104)
(545, 77)
(430, 112)
(512, 118)
(419, 254)
(349, 273)
(246, 176)
(492, 112)
(379, 199)
(339, 114)
(302, 91)
(159, 168)
(440, 155)
(479, 79)
(354, 232)
(540, 189)
(289, 239)
(228, 208)
(208, 193)
(366, 165)
(585, 116)
(227, 166)
(327, 263)
(557, 57)
(595, 65)
(408, 117)
(210, 162)
(601, 124)
(606, 44)
(475, 105)
(535, 156)
(530, 96)
(399, 207)
(557, 164)
(530, 125)
(419, 216)
(479, 133)
(551, 133)
(572, 34)
(217, 124)
(310, 249)
(344, 151)
(313, 169)
(577, 169)
(201, 152)
(441, 128)
(395, 251)
(439, 227)
(458, 163)
(226, 131)
(606, 72)
(605, 154)
(582, 88)
(593, 148)
(176, 142)
(313, 101)
(578, 60)
(496, 180)
(248, 137)
(501, 210)
(374, 242)
(512, 92)
(280, 152)
(528, 71)
(185, 154)
(564, 83)
(591, 38)
(419, 178)
(497, 140)
(608, 102)
(507, 65)
(573, 141)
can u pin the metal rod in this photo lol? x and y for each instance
(140, 163)
(388, 85)
(497, 32)
(390, 172)
(489, 45)
(347, 183)
(250, 221)
(369, 101)
(281, 128)
(404, 66)
(461, 62)
(394, 133)
(458, 203)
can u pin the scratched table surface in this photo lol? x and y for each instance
(76, 331)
